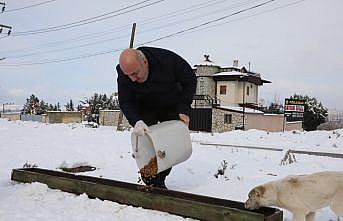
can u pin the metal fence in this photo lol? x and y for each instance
(36, 118)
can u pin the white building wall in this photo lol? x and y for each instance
(253, 93)
(229, 97)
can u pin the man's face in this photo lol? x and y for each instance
(137, 73)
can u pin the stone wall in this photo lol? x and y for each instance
(205, 82)
(110, 118)
(206, 70)
(63, 117)
(11, 116)
(218, 125)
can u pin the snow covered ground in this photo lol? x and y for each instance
(52, 145)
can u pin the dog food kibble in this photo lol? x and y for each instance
(150, 170)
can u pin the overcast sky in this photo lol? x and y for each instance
(295, 44)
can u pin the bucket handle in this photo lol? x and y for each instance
(161, 154)
(136, 144)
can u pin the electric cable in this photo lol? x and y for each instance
(88, 20)
(123, 36)
(182, 32)
(29, 6)
(121, 28)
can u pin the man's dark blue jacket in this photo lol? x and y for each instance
(171, 83)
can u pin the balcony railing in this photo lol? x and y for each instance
(209, 100)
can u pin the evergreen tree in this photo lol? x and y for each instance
(101, 101)
(31, 105)
(51, 107)
(70, 106)
(315, 113)
(35, 107)
(79, 107)
(42, 108)
(26, 107)
(275, 108)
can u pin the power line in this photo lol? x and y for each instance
(65, 59)
(207, 23)
(249, 16)
(88, 20)
(182, 32)
(157, 39)
(121, 28)
(68, 48)
(29, 6)
(196, 17)
(123, 36)
(83, 20)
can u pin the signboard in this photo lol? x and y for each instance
(294, 109)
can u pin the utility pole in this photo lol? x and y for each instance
(120, 117)
(9, 29)
(243, 104)
(4, 26)
(3, 6)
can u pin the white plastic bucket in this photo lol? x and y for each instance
(169, 141)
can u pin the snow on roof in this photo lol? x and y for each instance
(228, 73)
(247, 110)
(207, 63)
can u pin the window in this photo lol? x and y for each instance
(201, 86)
(248, 90)
(228, 118)
(222, 89)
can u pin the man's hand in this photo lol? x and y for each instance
(140, 128)
(184, 118)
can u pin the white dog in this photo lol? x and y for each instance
(302, 195)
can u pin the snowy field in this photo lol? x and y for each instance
(52, 145)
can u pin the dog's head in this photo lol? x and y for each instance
(255, 195)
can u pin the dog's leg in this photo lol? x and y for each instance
(336, 204)
(310, 216)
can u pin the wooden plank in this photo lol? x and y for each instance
(179, 203)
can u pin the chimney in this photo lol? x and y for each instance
(235, 63)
